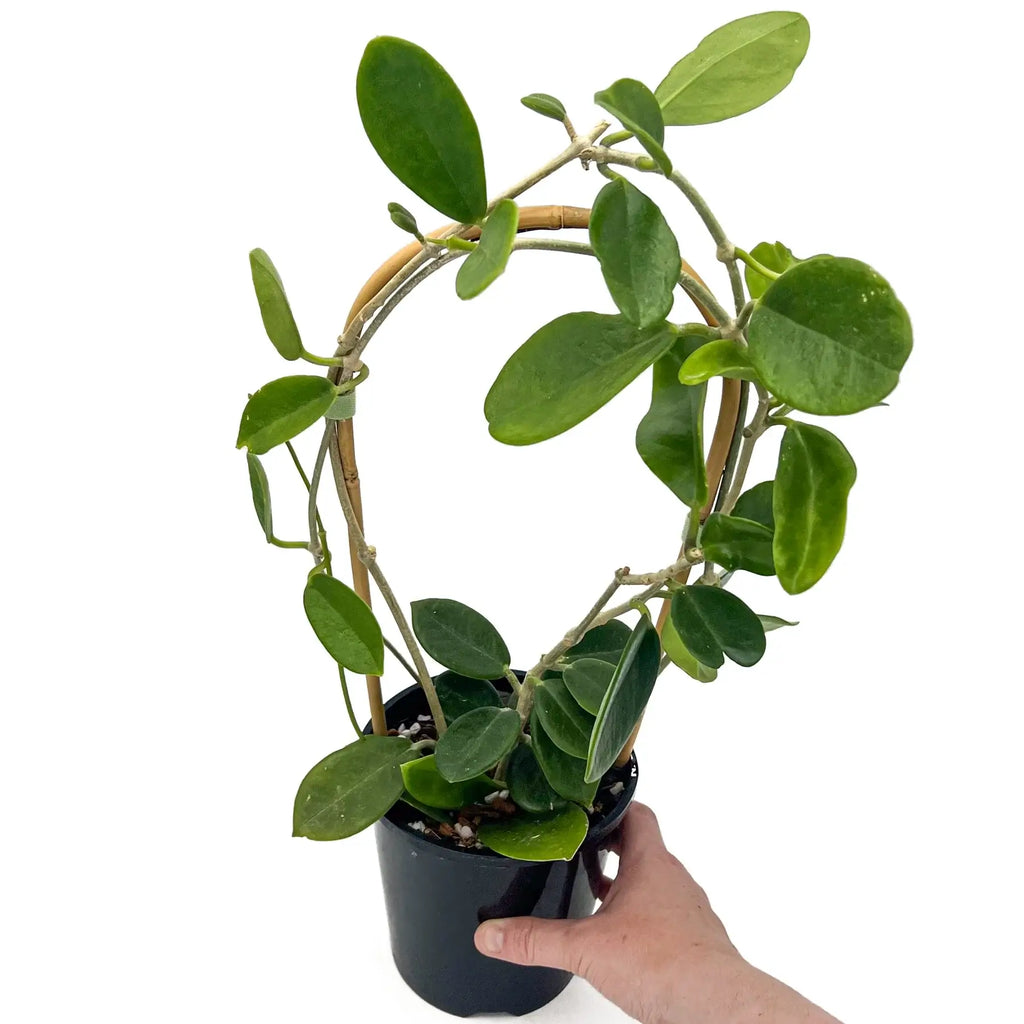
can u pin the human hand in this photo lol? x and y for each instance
(655, 947)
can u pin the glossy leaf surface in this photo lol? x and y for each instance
(812, 486)
(459, 694)
(639, 112)
(554, 836)
(681, 657)
(568, 725)
(567, 371)
(528, 786)
(715, 624)
(625, 699)
(260, 486)
(545, 104)
(735, 69)
(351, 788)
(588, 680)
(722, 358)
(637, 250)
(736, 543)
(670, 437)
(282, 409)
(487, 261)
(757, 504)
(421, 127)
(274, 307)
(604, 642)
(476, 742)
(459, 638)
(829, 337)
(344, 624)
(562, 770)
(426, 784)
(771, 622)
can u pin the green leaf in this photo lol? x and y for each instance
(604, 642)
(829, 337)
(435, 813)
(527, 784)
(568, 370)
(543, 103)
(562, 770)
(588, 680)
(715, 624)
(771, 622)
(282, 409)
(404, 219)
(682, 658)
(670, 437)
(421, 127)
(625, 699)
(487, 261)
(737, 543)
(459, 638)
(351, 788)
(260, 494)
(638, 110)
(724, 358)
(735, 69)
(756, 504)
(537, 837)
(638, 253)
(476, 742)
(274, 308)
(812, 485)
(344, 624)
(775, 257)
(459, 694)
(426, 784)
(568, 725)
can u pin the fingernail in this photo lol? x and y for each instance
(491, 936)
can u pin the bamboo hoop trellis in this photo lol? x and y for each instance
(531, 218)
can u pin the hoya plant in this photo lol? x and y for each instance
(823, 335)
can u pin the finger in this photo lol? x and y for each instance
(640, 834)
(531, 941)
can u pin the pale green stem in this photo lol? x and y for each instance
(348, 703)
(398, 655)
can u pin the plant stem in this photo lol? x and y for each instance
(311, 513)
(398, 654)
(760, 268)
(289, 543)
(703, 297)
(320, 360)
(514, 680)
(348, 703)
(732, 458)
(368, 556)
(758, 425)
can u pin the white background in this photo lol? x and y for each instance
(850, 804)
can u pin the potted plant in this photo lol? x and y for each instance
(492, 787)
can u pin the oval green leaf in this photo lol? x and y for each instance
(715, 624)
(812, 486)
(756, 504)
(829, 337)
(568, 725)
(588, 680)
(682, 658)
(487, 261)
(639, 112)
(351, 788)
(567, 371)
(775, 256)
(476, 742)
(459, 694)
(402, 218)
(274, 308)
(544, 103)
(638, 252)
(736, 543)
(344, 624)
(723, 358)
(459, 638)
(527, 784)
(422, 128)
(604, 642)
(670, 437)
(424, 783)
(735, 69)
(537, 837)
(562, 770)
(625, 699)
(260, 486)
(282, 409)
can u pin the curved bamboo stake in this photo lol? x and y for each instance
(531, 218)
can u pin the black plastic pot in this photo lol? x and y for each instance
(436, 895)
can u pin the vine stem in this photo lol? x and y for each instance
(758, 425)
(348, 703)
(401, 660)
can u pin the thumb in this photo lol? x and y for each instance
(531, 941)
